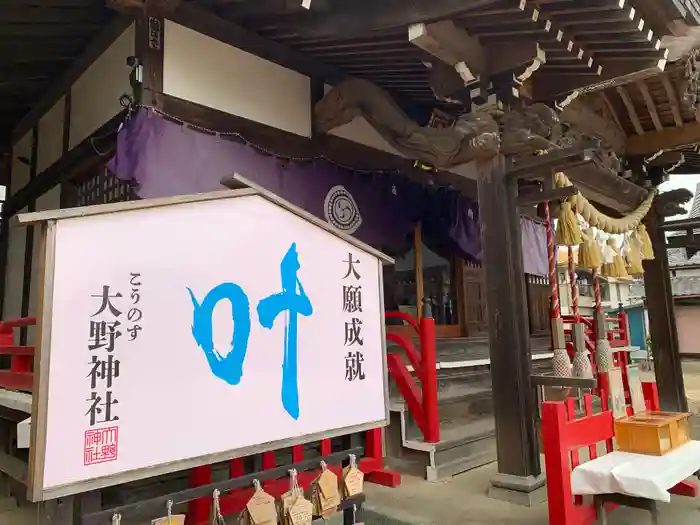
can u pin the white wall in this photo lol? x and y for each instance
(95, 95)
(203, 70)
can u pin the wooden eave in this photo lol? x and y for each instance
(655, 116)
(580, 41)
(39, 42)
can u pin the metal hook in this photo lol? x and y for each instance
(324, 467)
(116, 519)
(169, 506)
(256, 484)
(353, 460)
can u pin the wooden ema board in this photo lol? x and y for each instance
(654, 433)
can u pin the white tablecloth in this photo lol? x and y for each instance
(637, 474)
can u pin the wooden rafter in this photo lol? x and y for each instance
(160, 7)
(672, 99)
(631, 111)
(349, 19)
(651, 106)
(606, 101)
(652, 142)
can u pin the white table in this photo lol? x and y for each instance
(637, 475)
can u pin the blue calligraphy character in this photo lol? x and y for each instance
(229, 368)
(295, 304)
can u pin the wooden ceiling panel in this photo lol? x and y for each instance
(39, 39)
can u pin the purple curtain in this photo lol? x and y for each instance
(163, 158)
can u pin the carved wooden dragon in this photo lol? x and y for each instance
(472, 137)
(478, 135)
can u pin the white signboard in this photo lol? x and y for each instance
(211, 327)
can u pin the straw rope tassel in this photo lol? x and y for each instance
(603, 352)
(582, 364)
(561, 364)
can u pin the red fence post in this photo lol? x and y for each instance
(198, 509)
(428, 352)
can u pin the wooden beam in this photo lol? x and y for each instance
(29, 240)
(136, 7)
(150, 29)
(549, 87)
(651, 106)
(667, 159)
(468, 59)
(451, 44)
(579, 114)
(662, 321)
(6, 161)
(631, 111)
(99, 45)
(536, 197)
(672, 99)
(78, 159)
(652, 142)
(611, 110)
(29, 14)
(348, 20)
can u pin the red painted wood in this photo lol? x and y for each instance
(325, 447)
(19, 322)
(407, 387)
(16, 350)
(198, 509)
(373, 445)
(685, 488)
(428, 348)
(268, 460)
(403, 317)
(297, 453)
(236, 468)
(409, 349)
(651, 396)
(16, 381)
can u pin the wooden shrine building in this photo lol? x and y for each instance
(442, 125)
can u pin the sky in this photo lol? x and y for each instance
(681, 181)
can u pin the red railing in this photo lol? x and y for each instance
(236, 500)
(617, 334)
(563, 436)
(422, 402)
(19, 376)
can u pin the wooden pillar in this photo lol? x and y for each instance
(662, 321)
(5, 176)
(519, 478)
(418, 256)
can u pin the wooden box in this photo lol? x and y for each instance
(654, 433)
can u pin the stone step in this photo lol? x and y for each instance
(466, 442)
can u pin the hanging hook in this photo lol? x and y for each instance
(324, 467)
(353, 460)
(293, 481)
(116, 519)
(256, 485)
(218, 517)
(169, 506)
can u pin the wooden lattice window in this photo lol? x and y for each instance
(100, 186)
